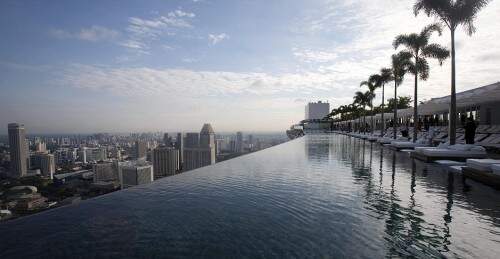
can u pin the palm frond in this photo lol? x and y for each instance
(452, 12)
(436, 51)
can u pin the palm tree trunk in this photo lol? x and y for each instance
(364, 120)
(453, 100)
(382, 131)
(394, 124)
(371, 112)
(415, 109)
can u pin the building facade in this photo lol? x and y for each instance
(19, 162)
(165, 162)
(135, 173)
(105, 171)
(202, 152)
(315, 111)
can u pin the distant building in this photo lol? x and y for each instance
(192, 140)
(45, 162)
(135, 173)
(18, 150)
(40, 147)
(317, 110)
(200, 152)
(140, 149)
(239, 142)
(87, 154)
(24, 198)
(165, 162)
(65, 155)
(167, 140)
(179, 145)
(105, 171)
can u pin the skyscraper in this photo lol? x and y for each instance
(192, 140)
(166, 140)
(239, 142)
(165, 161)
(43, 161)
(18, 150)
(140, 149)
(200, 151)
(179, 145)
(47, 164)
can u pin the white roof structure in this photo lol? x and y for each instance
(469, 98)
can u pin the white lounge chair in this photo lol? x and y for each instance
(495, 169)
(483, 165)
(458, 152)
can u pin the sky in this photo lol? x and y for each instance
(251, 65)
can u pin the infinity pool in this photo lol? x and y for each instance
(317, 196)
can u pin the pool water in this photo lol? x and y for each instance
(316, 196)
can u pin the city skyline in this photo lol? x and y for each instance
(170, 66)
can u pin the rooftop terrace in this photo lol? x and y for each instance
(316, 196)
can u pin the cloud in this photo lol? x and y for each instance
(217, 38)
(94, 33)
(142, 31)
(360, 34)
(314, 56)
(190, 60)
(182, 82)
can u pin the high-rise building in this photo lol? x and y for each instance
(18, 150)
(239, 142)
(250, 142)
(179, 145)
(47, 165)
(41, 147)
(43, 161)
(203, 154)
(65, 155)
(165, 161)
(140, 149)
(88, 154)
(192, 140)
(135, 173)
(317, 110)
(166, 140)
(105, 171)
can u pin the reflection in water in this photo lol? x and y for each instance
(317, 196)
(447, 217)
(406, 229)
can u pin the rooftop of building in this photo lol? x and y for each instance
(207, 129)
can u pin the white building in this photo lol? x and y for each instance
(135, 173)
(317, 110)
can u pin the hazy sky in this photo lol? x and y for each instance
(116, 66)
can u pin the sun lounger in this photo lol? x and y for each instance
(483, 165)
(455, 152)
(495, 169)
(493, 129)
(398, 145)
(488, 178)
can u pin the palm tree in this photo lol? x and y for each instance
(370, 95)
(400, 65)
(380, 80)
(452, 13)
(362, 100)
(417, 44)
